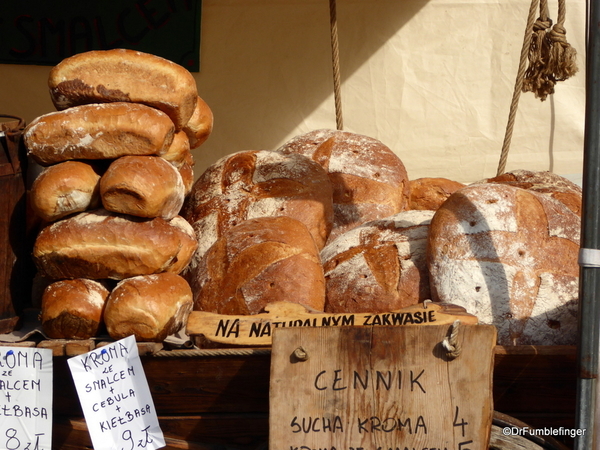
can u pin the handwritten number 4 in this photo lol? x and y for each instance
(461, 424)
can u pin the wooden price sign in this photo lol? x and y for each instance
(381, 388)
(256, 330)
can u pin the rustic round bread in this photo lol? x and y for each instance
(149, 307)
(258, 262)
(64, 189)
(257, 183)
(379, 266)
(429, 193)
(509, 256)
(200, 125)
(72, 309)
(121, 75)
(98, 131)
(544, 182)
(369, 181)
(102, 245)
(144, 186)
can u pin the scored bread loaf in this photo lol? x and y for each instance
(72, 309)
(258, 183)
(257, 262)
(509, 256)
(200, 125)
(121, 75)
(429, 193)
(379, 266)
(544, 182)
(98, 131)
(99, 245)
(144, 186)
(149, 307)
(63, 189)
(369, 181)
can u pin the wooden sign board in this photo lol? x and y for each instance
(381, 388)
(256, 330)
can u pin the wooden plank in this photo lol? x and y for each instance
(381, 387)
(256, 330)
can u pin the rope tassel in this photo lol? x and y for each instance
(551, 57)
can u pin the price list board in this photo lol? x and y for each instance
(381, 388)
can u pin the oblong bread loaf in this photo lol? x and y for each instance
(178, 150)
(150, 307)
(98, 131)
(99, 244)
(64, 189)
(189, 244)
(200, 125)
(72, 309)
(144, 186)
(122, 75)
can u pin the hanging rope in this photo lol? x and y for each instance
(335, 56)
(450, 342)
(518, 87)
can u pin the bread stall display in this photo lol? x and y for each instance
(107, 202)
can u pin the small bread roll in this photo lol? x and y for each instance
(428, 194)
(143, 186)
(63, 189)
(178, 150)
(121, 75)
(101, 131)
(72, 309)
(151, 307)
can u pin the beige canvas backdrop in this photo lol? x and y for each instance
(433, 80)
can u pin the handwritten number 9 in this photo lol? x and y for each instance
(12, 443)
(127, 437)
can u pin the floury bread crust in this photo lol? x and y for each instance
(72, 309)
(509, 256)
(144, 186)
(122, 75)
(150, 307)
(429, 193)
(369, 181)
(99, 131)
(379, 266)
(259, 183)
(100, 245)
(257, 262)
(63, 189)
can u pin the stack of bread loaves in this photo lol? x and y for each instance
(117, 167)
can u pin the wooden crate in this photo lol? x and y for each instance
(220, 400)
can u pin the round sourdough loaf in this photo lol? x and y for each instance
(379, 266)
(72, 309)
(200, 125)
(429, 193)
(509, 256)
(99, 244)
(369, 181)
(99, 131)
(258, 262)
(64, 189)
(121, 75)
(144, 186)
(149, 307)
(259, 183)
(544, 182)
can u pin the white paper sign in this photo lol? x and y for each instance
(25, 398)
(115, 398)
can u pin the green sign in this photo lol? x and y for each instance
(44, 32)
